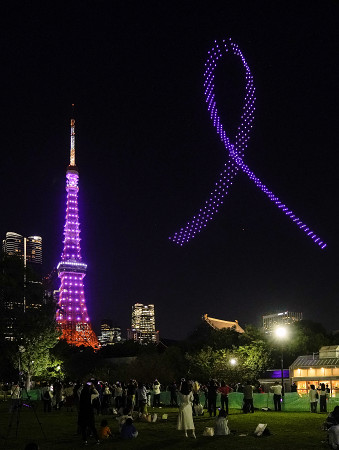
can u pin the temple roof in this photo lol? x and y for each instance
(219, 324)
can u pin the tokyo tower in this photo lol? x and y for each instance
(72, 314)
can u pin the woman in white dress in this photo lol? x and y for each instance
(185, 417)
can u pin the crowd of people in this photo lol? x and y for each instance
(320, 394)
(130, 402)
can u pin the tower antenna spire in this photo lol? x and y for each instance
(72, 155)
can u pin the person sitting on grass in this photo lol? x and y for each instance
(127, 414)
(333, 436)
(128, 430)
(104, 431)
(221, 424)
(332, 419)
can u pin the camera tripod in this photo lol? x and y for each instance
(17, 404)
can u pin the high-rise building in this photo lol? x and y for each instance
(23, 268)
(110, 334)
(72, 314)
(33, 248)
(13, 244)
(143, 324)
(30, 248)
(271, 321)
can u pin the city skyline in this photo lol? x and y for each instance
(149, 156)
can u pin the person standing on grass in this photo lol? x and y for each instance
(118, 395)
(224, 390)
(185, 416)
(131, 391)
(322, 398)
(57, 394)
(173, 390)
(277, 389)
(313, 395)
(86, 412)
(15, 396)
(142, 398)
(212, 389)
(47, 398)
(196, 400)
(248, 398)
(106, 399)
(156, 393)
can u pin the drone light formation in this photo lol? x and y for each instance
(235, 152)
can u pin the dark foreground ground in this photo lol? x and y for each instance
(56, 431)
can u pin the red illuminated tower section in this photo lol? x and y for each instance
(72, 314)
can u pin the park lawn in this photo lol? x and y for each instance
(290, 430)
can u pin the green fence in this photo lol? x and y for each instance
(291, 402)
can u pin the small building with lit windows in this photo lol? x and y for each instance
(322, 367)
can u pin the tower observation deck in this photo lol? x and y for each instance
(72, 315)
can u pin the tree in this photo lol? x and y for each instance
(36, 334)
(254, 359)
(206, 336)
(252, 333)
(250, 361)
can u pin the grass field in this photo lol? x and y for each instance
(289, 430)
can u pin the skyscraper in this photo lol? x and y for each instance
(23, 269)
(72, 315)
(30, 248)
(13, 244)
(271, 321)
(143, 324)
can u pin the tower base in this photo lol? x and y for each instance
(83, 335)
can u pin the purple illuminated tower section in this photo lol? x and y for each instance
(72, 315)
(235, 150)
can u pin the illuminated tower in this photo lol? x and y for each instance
(72, 314)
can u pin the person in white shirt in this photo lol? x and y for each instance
(156, 394)
(313, 395)
(276, 389)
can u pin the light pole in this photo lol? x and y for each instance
(281, 334)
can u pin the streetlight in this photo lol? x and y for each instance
(281, 334)
(233, 362)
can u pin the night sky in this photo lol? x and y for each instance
(148, 155)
